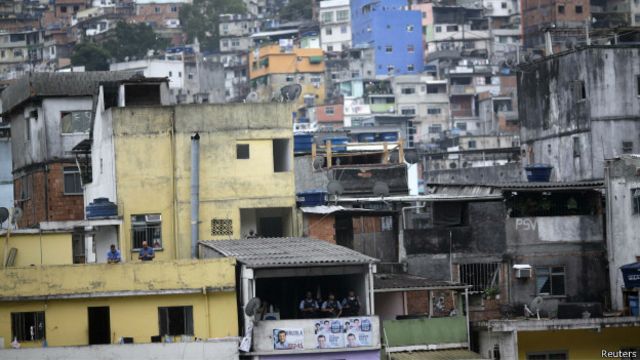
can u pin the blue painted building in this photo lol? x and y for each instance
(393, 31)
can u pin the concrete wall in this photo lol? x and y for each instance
(506, 342)
(389, 305)
(37, 248)
(529, 230)
(222, 349)
(6, 179)
(623, 227)
(511, 172)
(552, 115)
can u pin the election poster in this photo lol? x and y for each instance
(288, 339)
(358, 332)
(329, 334)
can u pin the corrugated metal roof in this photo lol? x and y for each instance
(429, 197)
(390, 282)
(57, 84)
(330, 209)
(552, 185)
(287, 252)
(456, 354)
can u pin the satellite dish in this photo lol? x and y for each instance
(290, 92)
(411, 156)
(4, 214)
(318, 163)
(380, 189)
(335, 188)
(17, 215)
(252, 306)
(252, 97)
(534, 308)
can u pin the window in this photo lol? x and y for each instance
(281, 158)
(578, 9)
(329, 110)
(72, 181)
(461, 125)
(410, 49)
(627, 147)
(242, 151)
(635, 200)
(579, 90)
(28, 326)
(390, 69)
(315, 79)
(289, 78)
(480, 276)
(147, 228)
(410, 67)
(388, 49)
(342, 15)
(638, 85)
(157, 10)
(561, 9)
(550, 280)
(175, 320)
(63, 9)
(408, 90)
(235, 42)
(435, 129)
(471, 144)
(409, 28)
(452, 28)
(438, 28)
(408, 111)
(343, 29)
(576, 147)
(174, 9)
(76, 8)
(221, 227)
(75, 122)
(434, 111)
(503, 5)
(17, 53)
(329, 47)
(549, 355)
(2, 54)
(327, 16)
(355, 74)
(328, 31)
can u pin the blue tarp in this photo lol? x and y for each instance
(631, 275)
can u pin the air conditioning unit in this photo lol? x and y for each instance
(523, 271)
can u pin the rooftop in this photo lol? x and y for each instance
(61, 84)
(286, 252)
(405, 282)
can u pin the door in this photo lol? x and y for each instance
(99, 325)
(270, 227)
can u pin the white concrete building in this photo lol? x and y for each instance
(171, 69)
(335, 25)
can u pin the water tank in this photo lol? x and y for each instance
(311, 198)
(338, 143)
(538, 172)
(367, 137)
(389, 136)
(302, 143)
(101, 207)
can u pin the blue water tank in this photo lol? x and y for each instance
(338, 143)
(389, 136)
(367, 137)
(101, 207)
(633, 305)
(538, 172)
(302, 143)
(311, 198)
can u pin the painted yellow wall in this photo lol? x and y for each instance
(57, 280)
(137, 316)
(144, 139)
(580, 344)
(40, 248)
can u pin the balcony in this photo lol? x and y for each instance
(105, 280)
(462, 89)
(383, 108)
(446, 332)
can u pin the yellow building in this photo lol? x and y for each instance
(273, 66)
(44, 296)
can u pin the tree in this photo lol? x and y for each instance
(201, 19)
(297, 10)
(91, 56)
(133, 40)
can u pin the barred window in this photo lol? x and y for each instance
(146, 228)
(72, 181)
(481, 276)
(221, 227)
(28, 326)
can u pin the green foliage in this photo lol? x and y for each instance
(297, 10)
(91, 56)
(133, 40)
(200, 19)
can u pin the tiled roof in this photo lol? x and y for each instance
(390, 282)
(287, 252)
(57, 84)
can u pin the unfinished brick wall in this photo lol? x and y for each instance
(321, 227)
(417, 302)
(47, 201)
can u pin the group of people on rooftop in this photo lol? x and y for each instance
(312, 308)
(146, 253)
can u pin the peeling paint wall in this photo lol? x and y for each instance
(40, 249)
(572, 133)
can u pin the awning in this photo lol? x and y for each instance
(458, 354)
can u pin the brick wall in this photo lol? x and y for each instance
(417, 302)
(61, 207)
(321, 227)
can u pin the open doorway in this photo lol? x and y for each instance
(266, 222)
(99, 325)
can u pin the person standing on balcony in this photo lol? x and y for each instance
(351, 304)
(146, 253)
(308, 306)
(113, 255)
(331, 307)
